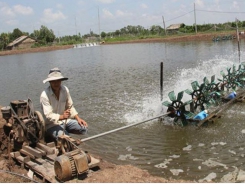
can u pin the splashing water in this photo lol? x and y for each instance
(181, 80)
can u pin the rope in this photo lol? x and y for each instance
(13, 173)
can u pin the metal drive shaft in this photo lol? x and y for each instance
(121, 128)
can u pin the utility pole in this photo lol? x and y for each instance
(59, 36)
(195, 18)
(76, 24)
(99, 21)
(164, 25)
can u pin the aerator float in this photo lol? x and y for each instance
(208, 99)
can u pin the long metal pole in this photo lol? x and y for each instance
(161, 81)
(121, 128)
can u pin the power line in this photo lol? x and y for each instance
(179, 16)
(202, 11)
(218, 11)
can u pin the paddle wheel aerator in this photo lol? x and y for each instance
(205, 95)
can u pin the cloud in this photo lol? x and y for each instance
(81, 2)
(23, 9)
(17, 9)
(49, 16)
(59, 6)
(183, 8)
(217, 1)
(6, 11)
(235, 5)
(106, 1)
(12, 22)
(151, 17)
(199, 3)
(107, 13)
(120, 13)
(144, 6)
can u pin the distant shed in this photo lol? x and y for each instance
(174, 27)
(21, 43)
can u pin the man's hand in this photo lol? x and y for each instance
(81, 121)
(66, 114)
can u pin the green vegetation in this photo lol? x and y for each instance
(45, 36)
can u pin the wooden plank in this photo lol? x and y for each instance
(32, 151)
(46, 170)
(40, 166)
(42, 151)
(51, 144)
(219, 110)
(24, 152)
(47, 149)
(40, 160)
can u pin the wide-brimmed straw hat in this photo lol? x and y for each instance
(55, 74)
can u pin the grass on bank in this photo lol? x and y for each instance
(134, 38)
(128, 38)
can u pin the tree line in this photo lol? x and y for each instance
(45, 36)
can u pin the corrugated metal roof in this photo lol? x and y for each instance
(16, 41)
(174, 26)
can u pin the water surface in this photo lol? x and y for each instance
(116, 85)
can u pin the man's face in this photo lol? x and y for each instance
(55, 85)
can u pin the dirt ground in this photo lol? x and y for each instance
(31, 50)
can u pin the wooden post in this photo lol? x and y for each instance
(161, 81)
(238, 39)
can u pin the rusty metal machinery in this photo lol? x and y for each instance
(23, 124)
(71, 164)
(23, 136)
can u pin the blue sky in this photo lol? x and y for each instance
(70, 17)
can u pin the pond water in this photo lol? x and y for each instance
(117, 85)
